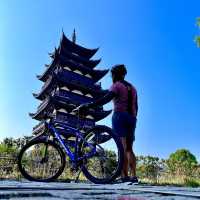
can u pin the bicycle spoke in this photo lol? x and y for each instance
(106, 163)
(41, 161)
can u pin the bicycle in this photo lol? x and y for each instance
(98, 153)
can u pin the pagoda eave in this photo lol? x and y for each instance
(39, 128)
(71, 85)
(57, 102)
(77, 98)
(81, 51)
(89, 63)
(71, 56)
(50, 68)
(98, 74)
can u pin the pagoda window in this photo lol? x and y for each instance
(72, 113)
(89, 117)
(67, 68)
(78, 72)
(60, 127)
(62, 110)
(52, 93)
(57, 88)
(77, 92)
(82, 131)
(88, 75)
(65, 88)
(89, 95)
(75, 54)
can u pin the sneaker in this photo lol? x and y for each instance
(134, 180)
(125, 179)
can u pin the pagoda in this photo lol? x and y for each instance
(68, 81)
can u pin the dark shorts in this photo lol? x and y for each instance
(123, 125)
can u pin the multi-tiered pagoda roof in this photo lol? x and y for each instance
(70, 80)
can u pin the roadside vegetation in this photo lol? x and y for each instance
(181, 168)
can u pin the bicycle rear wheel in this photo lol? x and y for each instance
(106, 164)
(41, 160)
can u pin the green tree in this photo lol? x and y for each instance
(8, 142)
(8, 155)
(182, 163)
(197, 38)
(149, 167)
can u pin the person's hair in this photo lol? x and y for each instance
(118, 72)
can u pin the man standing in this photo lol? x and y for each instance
(124, 118)
(125, 102)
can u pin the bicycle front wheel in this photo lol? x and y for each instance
(41, 160)
(106, 163)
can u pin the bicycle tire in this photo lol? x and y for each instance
(30, 145)
(120, 155)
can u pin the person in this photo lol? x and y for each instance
(124, 96)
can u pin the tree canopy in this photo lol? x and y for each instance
(197, 37)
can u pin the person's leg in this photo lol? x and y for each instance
(124, 172)
(130, 154)
(132, 162)
(120, 131)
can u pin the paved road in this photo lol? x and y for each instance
(26, 190)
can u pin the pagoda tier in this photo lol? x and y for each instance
(72, 120)
(65, 105)
(60, 80)
(77, 49)
(63, 98)
(39, 128)
(96, 75)
(71, 56)
(84, 124)
(76, 97)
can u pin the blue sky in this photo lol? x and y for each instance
(153, 38)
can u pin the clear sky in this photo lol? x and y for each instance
(153, 38)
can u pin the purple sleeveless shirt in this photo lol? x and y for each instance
(121, 100)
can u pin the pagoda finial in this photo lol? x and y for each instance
(74, 36)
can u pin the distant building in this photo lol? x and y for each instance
(70, 80)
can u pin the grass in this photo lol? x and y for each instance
(192, 183)
(173, 181)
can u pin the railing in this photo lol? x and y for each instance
(7, 164)
(78, 99)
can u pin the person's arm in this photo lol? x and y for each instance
(113, 91)
(100, 102)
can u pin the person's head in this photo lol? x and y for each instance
(118, 72)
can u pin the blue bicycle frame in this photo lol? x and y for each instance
(79, 137)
